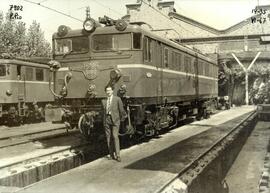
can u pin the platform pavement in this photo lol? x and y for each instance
(139, 171)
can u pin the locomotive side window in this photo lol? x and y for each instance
(166, 57)
(39, 74)
(28, 73)
(206, 69)
(147, 49)
(3, 70)
(200, 68)
(19, 71)
(192, 67)
(110, 42)
(137, 40)
(187, 64)
(159, 54)
(174, 60)
(211, 70)
(203, 68)
(180, 64)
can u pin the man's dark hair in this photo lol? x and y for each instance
(108, 87)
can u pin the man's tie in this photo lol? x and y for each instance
(109, 105)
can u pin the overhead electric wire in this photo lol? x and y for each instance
(62, 13)
(42, 1)
(101, 4)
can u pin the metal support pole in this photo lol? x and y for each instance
(247, 96)
(246, 70)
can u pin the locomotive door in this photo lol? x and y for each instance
(159, 66)
(21, 89)
(196, 78)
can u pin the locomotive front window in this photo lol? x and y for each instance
(74, 45)
(108, 42)
(3, 70)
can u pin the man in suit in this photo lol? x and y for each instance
(113, 113)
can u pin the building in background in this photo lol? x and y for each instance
(245, 39)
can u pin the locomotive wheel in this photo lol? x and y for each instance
(85, 126)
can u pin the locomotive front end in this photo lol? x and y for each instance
(80, 73)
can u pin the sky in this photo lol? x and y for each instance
(219, 14)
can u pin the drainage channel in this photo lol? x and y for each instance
(206, 174)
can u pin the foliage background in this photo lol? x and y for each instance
(17, 40)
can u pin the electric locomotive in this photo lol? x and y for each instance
(159, 81)
(24, 85)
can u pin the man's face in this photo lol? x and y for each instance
(109, 91)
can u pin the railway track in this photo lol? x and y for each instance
(44, 150)
(23, 138)
(186, 176)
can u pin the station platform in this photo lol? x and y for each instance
(145, 167)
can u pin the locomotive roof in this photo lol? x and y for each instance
(23, 63)
(138, 29)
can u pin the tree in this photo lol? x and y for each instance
(259, 82)
(36, 43)
(16, 40)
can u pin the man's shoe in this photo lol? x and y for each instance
(118, 159)
(109, 157)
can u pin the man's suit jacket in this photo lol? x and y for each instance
(117, 110)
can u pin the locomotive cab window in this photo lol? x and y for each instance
(3, 70)
(111, 42)
(71, 45)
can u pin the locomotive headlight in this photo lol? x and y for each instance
(115, 74)
(89, 25)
